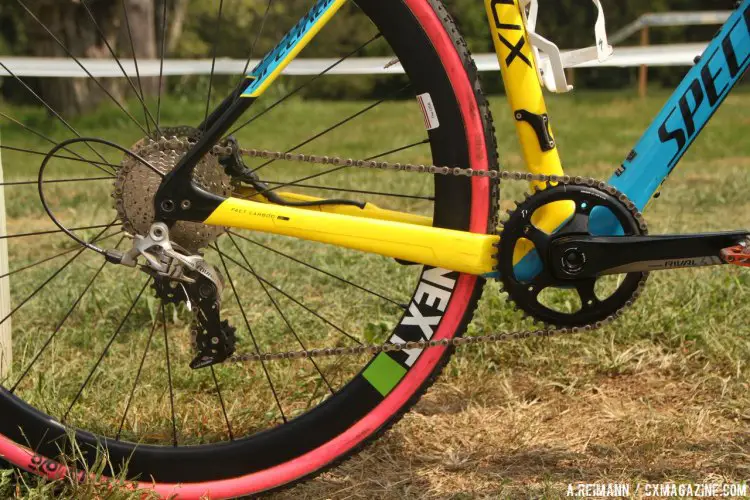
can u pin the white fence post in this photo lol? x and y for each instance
(6, 350)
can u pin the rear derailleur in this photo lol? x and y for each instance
(179, 277)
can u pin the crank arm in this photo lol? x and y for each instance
(577, 257)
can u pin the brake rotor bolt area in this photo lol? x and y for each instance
(185, 205)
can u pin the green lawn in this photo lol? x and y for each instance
(661, 395)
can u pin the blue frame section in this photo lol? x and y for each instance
(688, 111)
(284, 51)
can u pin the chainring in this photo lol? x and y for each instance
(520, 231)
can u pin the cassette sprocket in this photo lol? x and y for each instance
(136, 186)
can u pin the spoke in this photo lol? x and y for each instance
(78, 62)
(106, 350)
(146, 114)
(398, 150)
(55, 181)
(169, 375)
(213, 62)
(137, 377)
(336, 169)
(355, 191)
(53, 276)
(223, 407)
(51, 110)
(223, 255)
(343, 280)
(80, 159)
(336, 125)
(161, 63)
(54, 143)
(39, 233)
(66, 252)
(278, 309)
(61, 323)
(252, 336)
(308, 82)
(119, 64)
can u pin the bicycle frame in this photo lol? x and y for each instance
(413, 239)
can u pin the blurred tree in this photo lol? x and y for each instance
(173, 19)
(57, 28)
(72, 27)
(138, 36)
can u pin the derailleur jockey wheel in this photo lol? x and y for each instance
(541, 269)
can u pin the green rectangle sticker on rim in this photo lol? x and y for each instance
(384, 373)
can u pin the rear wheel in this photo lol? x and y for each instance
(96, 354)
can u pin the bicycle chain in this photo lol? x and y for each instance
(506, 175)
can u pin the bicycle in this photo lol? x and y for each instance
(180, 193)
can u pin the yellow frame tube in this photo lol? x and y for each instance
(524, 92)
(521, 80)
(455, 250)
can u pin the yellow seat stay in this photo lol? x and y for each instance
(455, 250)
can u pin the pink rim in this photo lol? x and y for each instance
(355, 435)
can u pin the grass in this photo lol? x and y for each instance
(660, 396)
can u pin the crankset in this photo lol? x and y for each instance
(574, 255)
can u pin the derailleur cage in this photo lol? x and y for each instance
(214, 339)
(190, 279)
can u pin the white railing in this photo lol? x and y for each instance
(663, 55)
(644, 56)
(664, 19)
